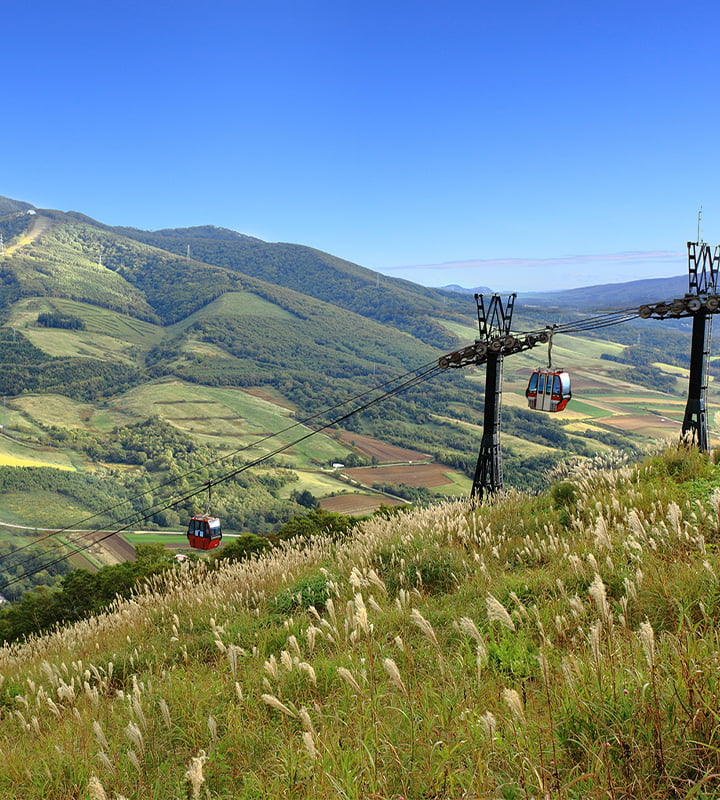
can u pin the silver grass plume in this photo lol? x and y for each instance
(498, 613)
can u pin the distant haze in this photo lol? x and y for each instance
(513, 274)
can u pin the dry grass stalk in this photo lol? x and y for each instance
(194, 775)
(392, 670)
(498, 613)
(348, 677)
(96, 789)
(597, 592)
(271, 700)
(417, 618)
(647, 637)
(514, 703)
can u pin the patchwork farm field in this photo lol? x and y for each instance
(357, 504)
(230, 419)
(428, 476)
(382, 451)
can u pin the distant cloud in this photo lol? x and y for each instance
(542, 274)
(495, 263)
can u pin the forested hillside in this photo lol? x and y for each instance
(137, 366)
(394, 302)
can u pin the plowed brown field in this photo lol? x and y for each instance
(421, 475)
(385, 453)
(356, 503)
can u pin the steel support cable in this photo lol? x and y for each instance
(578, 326)
(587, 323)
(136, 517)
(303, 422)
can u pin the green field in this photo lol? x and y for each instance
(321, 484)
(43, 509)
(165, 539)
(97, 320)
(18, 454)
(230, 418)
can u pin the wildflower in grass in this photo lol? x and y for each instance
(271, 700)
(392, 670)
(194, 775)
(498, 613)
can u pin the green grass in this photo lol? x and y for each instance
(588, 409)
(319, 483)
(165, 539)
(558, 645)
(232, 304)
(460, 487)
(464, 333)
(17, 454)
(42, 509)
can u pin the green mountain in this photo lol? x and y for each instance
(231, 339)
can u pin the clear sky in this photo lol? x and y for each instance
(516, 145)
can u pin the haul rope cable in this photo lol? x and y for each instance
(137, 516)
(578, 326)
(303, 422)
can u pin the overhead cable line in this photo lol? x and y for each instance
(420, 374)
(139, 516)
(72, 528)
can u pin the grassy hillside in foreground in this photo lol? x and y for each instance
(562, 646)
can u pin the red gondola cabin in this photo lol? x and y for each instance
(548, 390)
(204, 532)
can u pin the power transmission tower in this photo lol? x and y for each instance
(702, 285)
(494, 322)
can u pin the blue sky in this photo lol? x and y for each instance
(516, 145)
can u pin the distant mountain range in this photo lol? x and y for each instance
(597, 298)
